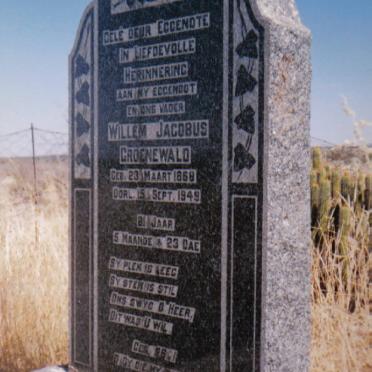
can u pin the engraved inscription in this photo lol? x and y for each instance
(136, 175)
(143, 286)
(155, 155)
(162, 27)
(170, 309)
(178, 134)
(145, 268)
(181, 196)
(170, 243)
(142, 322)
(154, 351)
(193, 129)
(133, 364)
(155, 223)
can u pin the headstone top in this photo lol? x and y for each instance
(282, 11)
(189, 187)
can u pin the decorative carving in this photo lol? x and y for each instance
(82, 158)
(246, 95)
(82, 125)
(245, 120)
(81, 68)
(82, 96)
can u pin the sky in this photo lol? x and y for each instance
(36, 37)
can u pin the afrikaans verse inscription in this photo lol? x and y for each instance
(178, 193)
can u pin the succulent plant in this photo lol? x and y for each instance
(325, 204)
(346, 186)
(345, 226)
(317, 158)
(336, 184)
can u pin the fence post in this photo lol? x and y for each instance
(34, 159)
(35, 185)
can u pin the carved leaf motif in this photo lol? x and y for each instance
(248, 47)
(81, 67)
(246, 82)
(82, 96)
(82, 125)
(82, 158)
(245, 120)
(243, 159)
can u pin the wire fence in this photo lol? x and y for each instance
(315, 141)
(46, 143)
(35, 161)
(33, 168)
(34, 151)
(32, 159)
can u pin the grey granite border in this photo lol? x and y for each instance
(87, 9)
(286, 310)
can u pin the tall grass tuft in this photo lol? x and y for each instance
(33, 268)
(341, 238)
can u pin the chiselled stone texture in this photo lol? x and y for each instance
(280, 10)
(286, 278)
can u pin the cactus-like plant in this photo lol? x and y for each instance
(353, 189)
(315, 195)
(317, 158)
(313, 177)
(336, 184)
(325, 204)
(314, 203)
(327, 170)
(345, 229)
(345, 225)
(323, 176)
(360, 190)
(346, 186)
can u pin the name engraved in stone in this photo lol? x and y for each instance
(168, 49)
(157, 91)
(182, 196)
(143, 286)
(162, 27)
(190, 129)
(170, 243)
(170, 309)
(156, 109)
(155, 155)
(154, 351)
(184, 176)
(125, 361)
(151, 52)
(155, 223)
(145, 268)
(156, 73)
(142, 322)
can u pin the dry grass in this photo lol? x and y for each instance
(340, 340)
(34, 276)
(341, 329)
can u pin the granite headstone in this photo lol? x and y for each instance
(189, 187)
